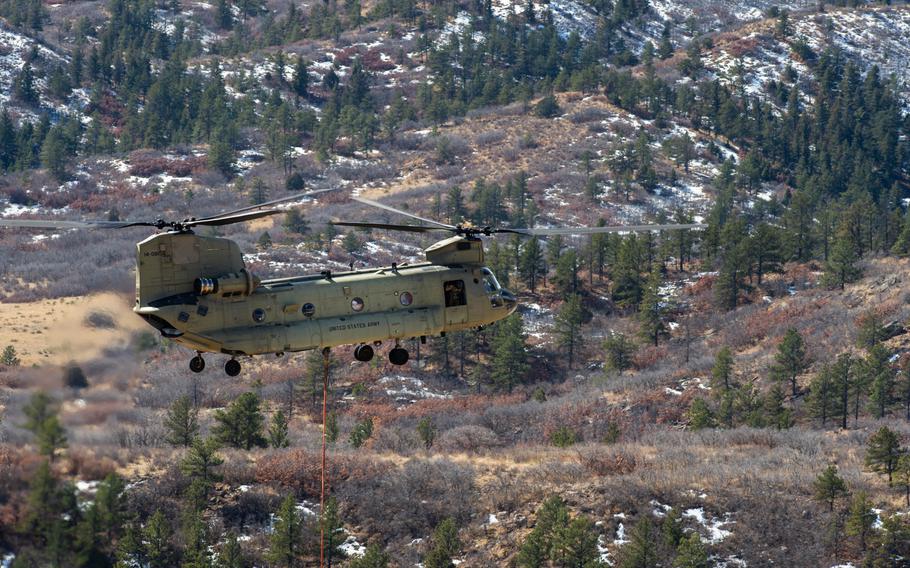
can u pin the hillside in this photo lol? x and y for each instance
(663, 398)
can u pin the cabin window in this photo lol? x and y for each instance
(357, 304)
(455, 293)
(308, 310)
(406, 299)
(258, 315)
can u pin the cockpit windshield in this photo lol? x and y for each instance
(490, 284)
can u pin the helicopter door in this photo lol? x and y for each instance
(456, 299)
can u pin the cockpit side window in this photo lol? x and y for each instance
(490, 284)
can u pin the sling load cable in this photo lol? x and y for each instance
(325, 396)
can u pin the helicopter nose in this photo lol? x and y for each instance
(510, 300)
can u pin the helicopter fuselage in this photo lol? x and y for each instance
(197, 291)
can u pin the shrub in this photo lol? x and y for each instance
(563, 437)
(547, 107)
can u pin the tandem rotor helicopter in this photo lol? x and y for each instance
(197, 291)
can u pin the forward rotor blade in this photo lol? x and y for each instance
(372, 203)
(61, 224)
(545, 232)
(230, 219)
(390, 227)
(231, 214)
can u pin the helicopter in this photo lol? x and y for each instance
(197, 291)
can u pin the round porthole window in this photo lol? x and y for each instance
(258, 315)
(357, 304)
(308, 310)
(406, 299)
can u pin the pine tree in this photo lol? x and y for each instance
(278, 430)
(699, 415)
(871, 331)
(201, 460)
(426, 429)
(444, 544)
(576, 544)
(841, 267)
(640, 551)
(531, 264)
(902, 475)
(54, 155)
(374, 557)
(651, 309)
(51, 437)
(286, 542)
(241, 425)
(722, 372)
(691, 553)
(24, 85)
(510, 354)
(829, 487)
(9, 358)
(111, 506)
(568, 327)
(883, 452)
(776, 413)
(790, 360)
(182, 422)
(231, 555)
(331, 528)
(842, 380)
(362, 432)
(156, 542)
(860, 518)
(618, 349)
(301, 82)
(878, 374)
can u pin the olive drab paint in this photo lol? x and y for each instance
(197, 291)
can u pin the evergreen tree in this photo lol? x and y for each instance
(651, 309)
(842, 375)
(278, 430)
(860, 518)
(531, 264)
(374, 557)
(790, 360)
(301, 82)
(231, 555)
(883, 452)
(568, 327)
(841, 267)
(691, 553)
(156, 542)
(722, 372)
(640, 551)
(201, 460)
(878, 374)
(510, 354)
(444, 544)
(576, 544)
(9, 358)
(332, 531)
(776, 413)
(362, 432)
(182, 422)
(829, 487)
(700, 415)
(619, 350)
(54, 155)
(111, 506)
(286, 544)
(902, 475)
(51, 437)
(38, 410)
(241, 425)
(426, 429)
(24, 85)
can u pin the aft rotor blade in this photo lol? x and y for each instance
(372, 203)
(230, 219)
(233, 213)
(546, 232)
(390, 227)
(61, 224)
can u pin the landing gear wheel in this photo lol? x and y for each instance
(197, 364)
(363, 353)
(232, 368)
(398, 356)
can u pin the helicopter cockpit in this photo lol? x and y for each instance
(499, 296)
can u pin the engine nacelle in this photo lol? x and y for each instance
(234, 284)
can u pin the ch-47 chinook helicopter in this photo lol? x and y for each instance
(197, 291)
